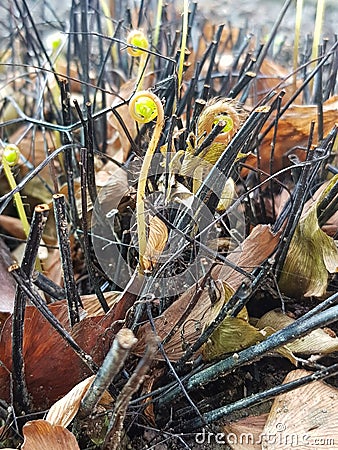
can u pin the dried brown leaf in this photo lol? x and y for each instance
(41, 435)
(314, 343)
(293, 132)
(303, 418)
(12, 226)
(259, 245)
(245, 434)
(92, 305)
(47, 357)
(64, 410)
(156, 242)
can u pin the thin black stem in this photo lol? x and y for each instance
(299, 198)
(260, 397)
(89, 144)
(86, 245)
(293, 331)
(21, 400)
(73, 297)
(29, 290)
(68, 154)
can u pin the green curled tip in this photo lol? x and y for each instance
(11, 154)
(145, 109)
(138, 39)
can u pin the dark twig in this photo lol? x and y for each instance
(110, 367)
(86, 244)
(21, 398)
(73, 297)
(261, 397)
(293, 331)
(29, 290)
(299, 197)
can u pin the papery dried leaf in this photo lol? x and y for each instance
(245, 434)
(156, 242)
(312, 254)
(41, 435)
(255, 249)
(64, 410)
(304, 417)
(92, 305)
(314, 343)
(258, 246)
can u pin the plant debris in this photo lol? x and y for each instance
(169, 223)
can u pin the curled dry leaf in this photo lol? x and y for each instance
(303, 418)
(259, 245)
(312, 255)
(156, 242)
(314, 343)
(41, 435)
(64, 410)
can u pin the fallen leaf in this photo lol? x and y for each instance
(312, 255)
(245, 434)
(303, 418)
(293, 132)
(64, 410)
(254, 250)
(156, 242)
(41, 435)
(47, 357)
(316, 342)
(92, 305)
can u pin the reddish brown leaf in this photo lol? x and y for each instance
(245, 434)
(41, 435)
(47, 356)
(293, 131)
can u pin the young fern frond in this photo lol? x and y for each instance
(144, 107)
